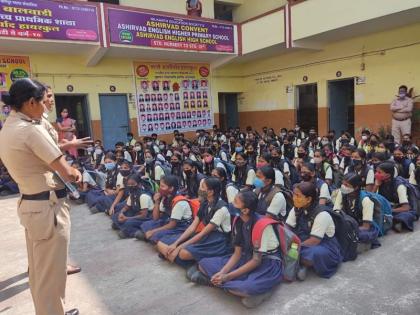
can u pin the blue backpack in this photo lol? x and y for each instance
(413, 193)
(230, 167)
(382, 212)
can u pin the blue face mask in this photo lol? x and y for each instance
(258, 183)
(109, 166)
(238, 149)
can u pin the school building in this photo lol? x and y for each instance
(328, 64)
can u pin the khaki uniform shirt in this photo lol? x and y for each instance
(27, 150)
(51, 130)
(402, 109)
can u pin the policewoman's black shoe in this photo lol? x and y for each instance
(74, 311)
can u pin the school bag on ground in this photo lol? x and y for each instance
(290, 245)
(194, 205)
(346, 231)
(413, 194)
(382, 213)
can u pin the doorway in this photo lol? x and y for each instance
(78, 108)
(114, 119)
(228, 110)
(341, 105)
(307, 106)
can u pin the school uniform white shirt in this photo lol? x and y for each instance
(269, 240)
(277, 206)
(223, 156)
(367, 206)
(145, 201)
(181, 210)
(231, 192)
(323, 224)
(120, 181)
(221, 219)
(324, 192)
(402, 194)
(412, 179)
(127, 156)
(250, 176)
(87, 178)
(159, 172)
(279, 177)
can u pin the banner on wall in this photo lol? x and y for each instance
(11, 69)
(172, 96)
(159, 31)
(48, 20)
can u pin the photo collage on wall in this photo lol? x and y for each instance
(172, 97)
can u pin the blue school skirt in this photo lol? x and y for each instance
(105, 202)
(370, 236)
(407, 218)
(325, 257)
(129, 213)
(10, 185)
(132, 225)
(215, 244)
(260, 280)
(93, 196)
(154, 224)
(170, 236)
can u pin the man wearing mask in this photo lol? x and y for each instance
(402, 109)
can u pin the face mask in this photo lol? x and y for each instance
(202, 194)
(64, 115)
(98, 151)
(69, 162)
(240, 164)
(364, 138)
(258, 183)
(346, 190)
(283, 134)
(148, 160)
(381, 177)
(401, 95)
(163, 192)
(299, 202)
(188, 173)
(317, 160)
(306, 177)
(238, 149)
(109, 166)
(148, 143)
(162, 146)
(208, 159)
(380, 150)
(344, 141)
(137, 148)
(356, 163)
(398, 158)
(301, 155)
(132, 189)
(261, 164)
(324, 142)
(129, 138)
(125, 173)
(406, 142)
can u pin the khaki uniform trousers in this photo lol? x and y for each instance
(400, 128)
(47, 230)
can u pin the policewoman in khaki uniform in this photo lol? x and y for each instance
(31, 156)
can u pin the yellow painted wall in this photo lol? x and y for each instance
(389, 65)
(263, 32)
(173, 6)
(328, 15)
(252, 8)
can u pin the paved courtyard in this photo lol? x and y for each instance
(125, 277)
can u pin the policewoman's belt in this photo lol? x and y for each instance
(45, 195)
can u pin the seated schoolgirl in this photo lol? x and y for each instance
(353, 202)
(221, 174)
(213, 239)
(266, 159)
(250, 273)
(315, 227)
(308, 174)
(193, 179)
(137, 210)
(109, 203)
(404, 165)
(111, 171)
(415, 174)
(271, 201)
(359, 165)
(171, 215)
(242, 177)
(7, 185)
(153, 169)
(209, 162)
(395, 190)
(323, 168)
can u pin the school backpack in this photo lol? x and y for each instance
(346, 231)
(287, 194)
(194, 205)
(166, 167)
(413, 193)
(149, 185)
(294, 176)
(290, 245)
(382, 213)
(229, 167)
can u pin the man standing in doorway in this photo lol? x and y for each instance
(402, 109)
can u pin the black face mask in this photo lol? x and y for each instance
(301, 155)
(188, 173)
(398, 158)
(406, 142)
(306, 177)
(125, 173)
(132, 189)
(175, 163)
(356, 163)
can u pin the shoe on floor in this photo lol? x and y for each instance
(301, 274)
(255, 300)
(122, 235)
(200, 278)
(140, 236)
(398, 227)
(74, 311)
(71, 270)
(94, 210)
(114, 226)
(192, 270)
(363, 247)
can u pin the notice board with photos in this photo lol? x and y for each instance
(172, 96)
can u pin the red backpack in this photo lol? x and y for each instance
(290, 245)
(195, 206)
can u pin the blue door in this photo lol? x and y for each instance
(114, 119)
(341, 105)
